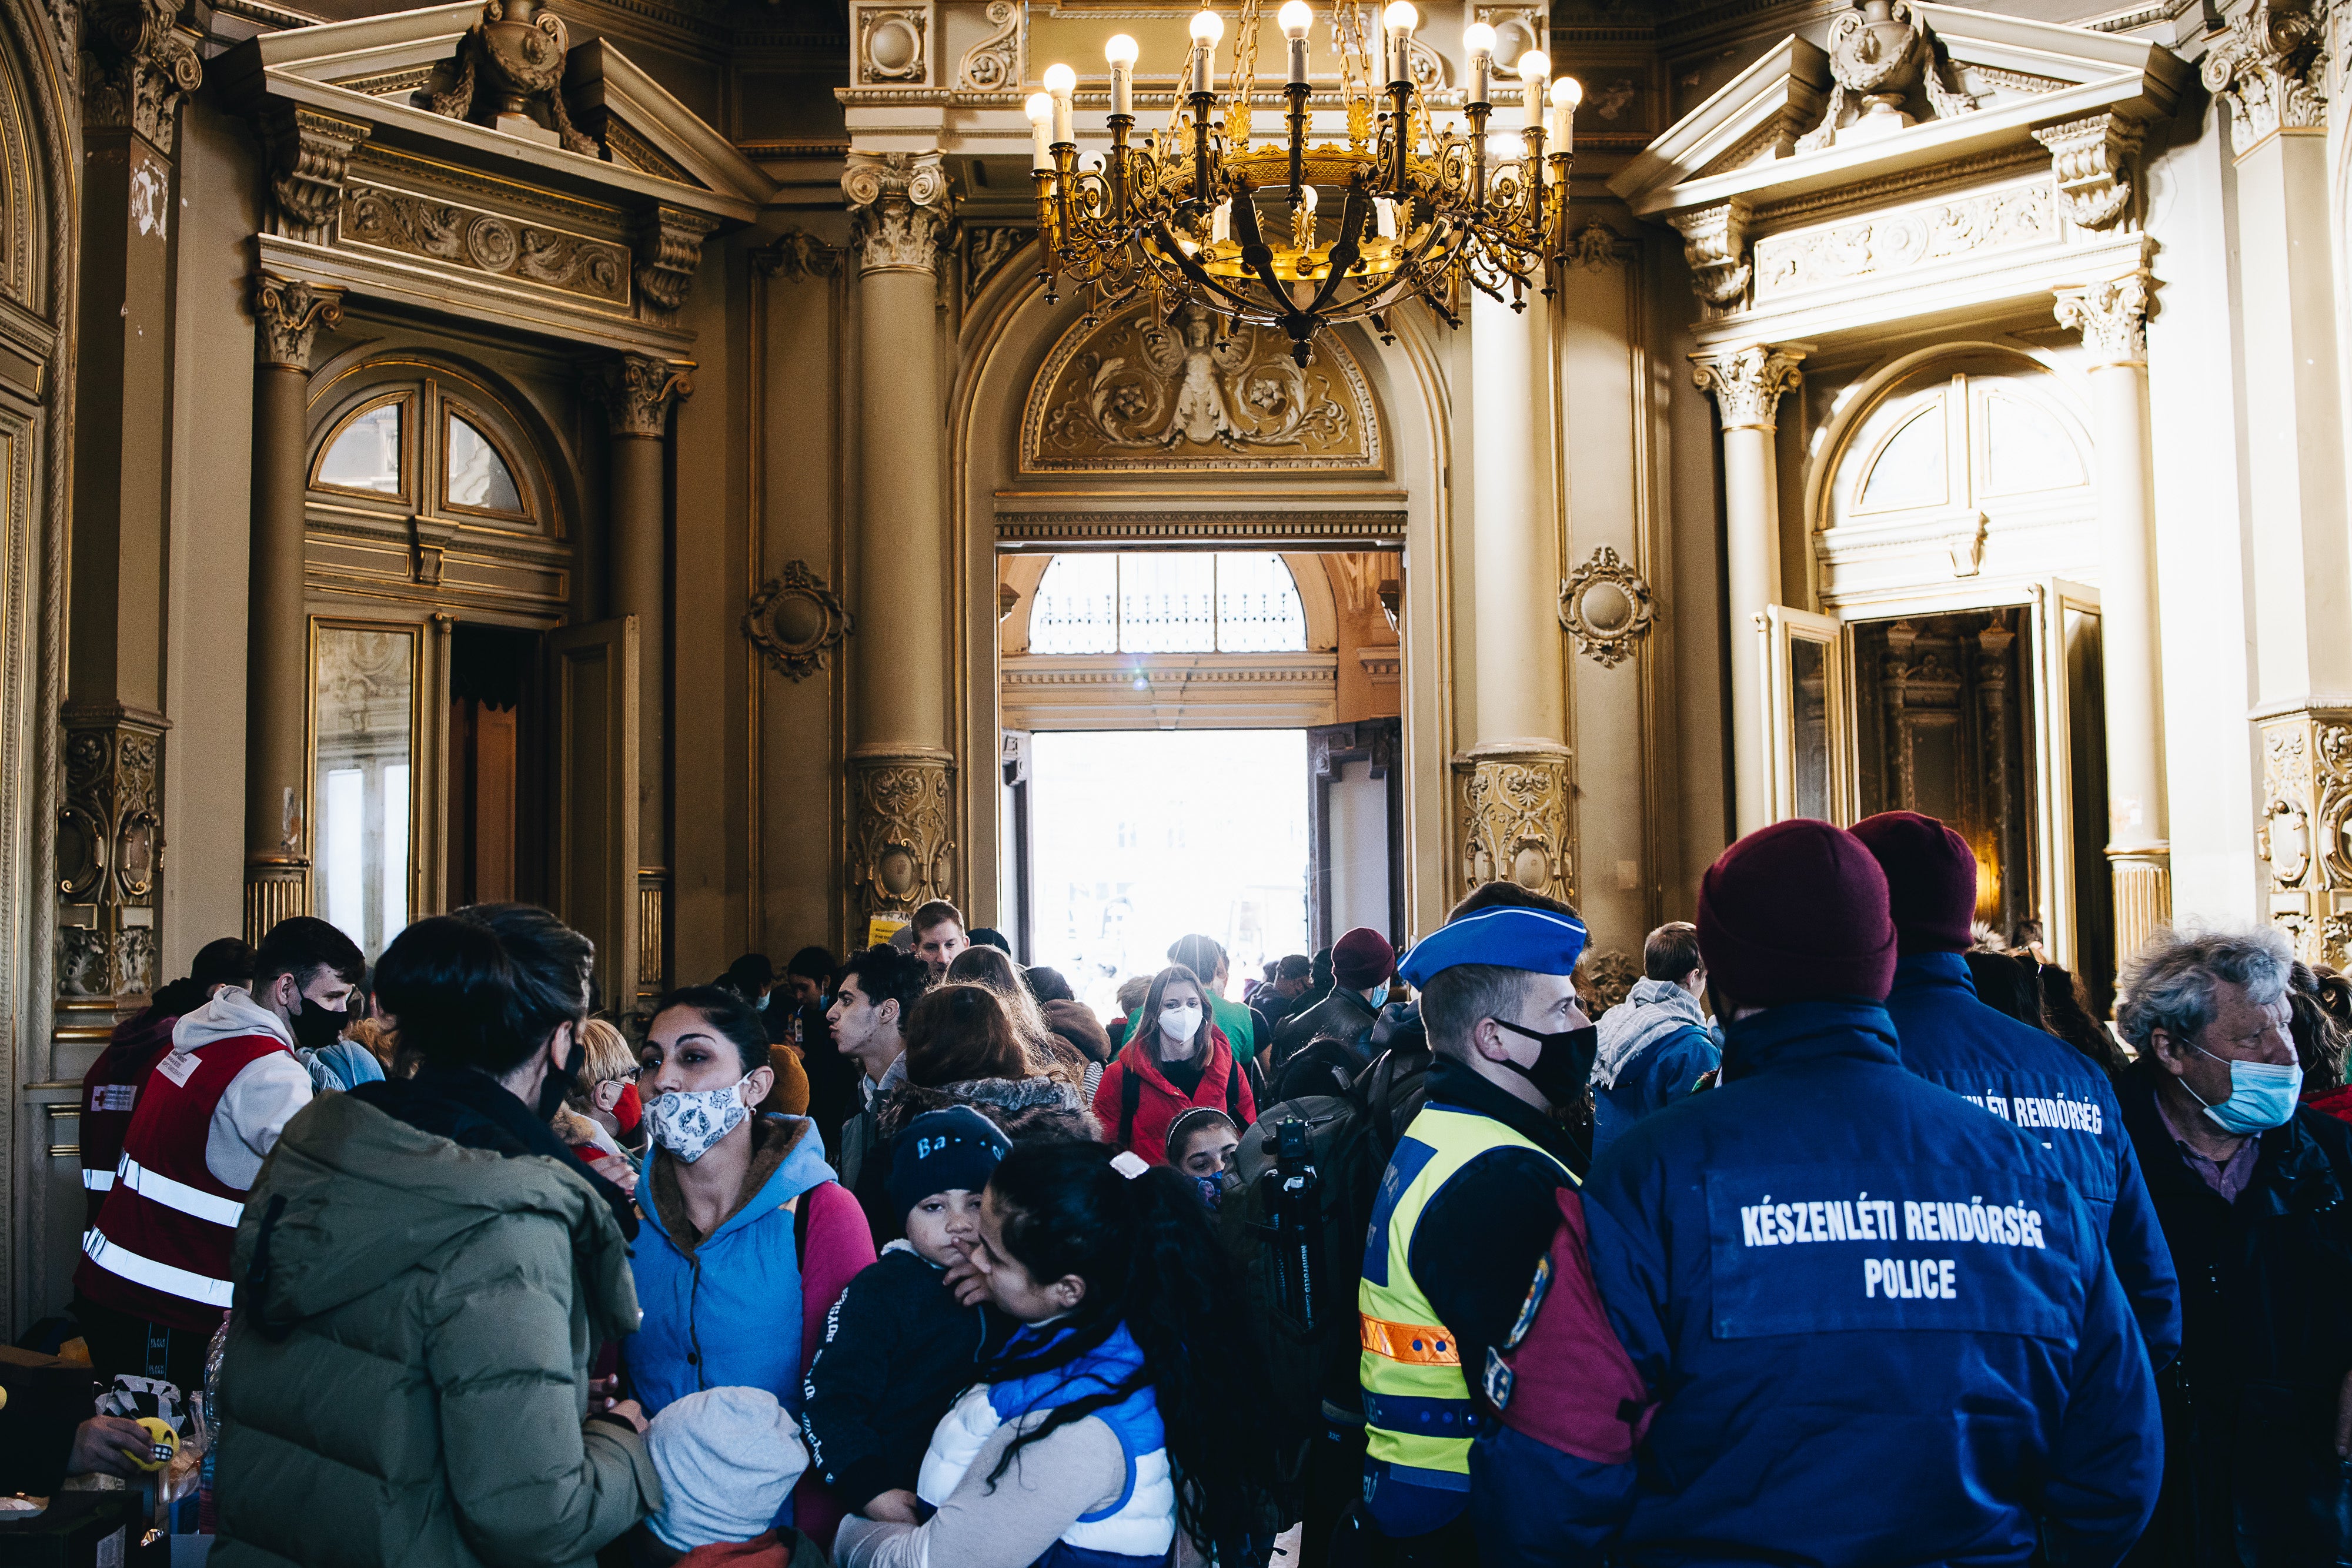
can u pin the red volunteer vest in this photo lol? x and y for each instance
(110, 1094)
(160, 1248)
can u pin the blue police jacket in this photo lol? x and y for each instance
(1881, 1326)
(1663, 1073)
(2056, 1096)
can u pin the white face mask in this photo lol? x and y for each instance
(1180, 1021)
(689, 1121)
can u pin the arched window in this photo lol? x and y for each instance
(436, 444)
(1234, 601)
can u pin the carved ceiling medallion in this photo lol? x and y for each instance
(1141, 392)
(796, 619)
(1607, 607)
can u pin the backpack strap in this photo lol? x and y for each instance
(1234, 1090)
(1130, 1098)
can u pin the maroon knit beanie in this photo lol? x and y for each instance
(1795, 912)
(1931, 880)
(1362, 959)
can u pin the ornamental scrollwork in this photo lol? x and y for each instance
(1605, 978)
(638, 393)
(136, 66)
(290, 312)
(2267, 68)
(310, 154)
(510, 65)
(486, 242)
(1714, 247)
(994, 62)
(1606, 606)
(2091, 158)
(902, 853)
(2111, 317)
(1881, 52)
(795, 255)
(1749, 382)
(796, 621)
(1515, 821)
(899, 206)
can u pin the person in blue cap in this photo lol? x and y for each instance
(2051, 1092)
(1877, 1324)
(1465, 1209)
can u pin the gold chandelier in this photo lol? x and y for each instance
(1423, 213)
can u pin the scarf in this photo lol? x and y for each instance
(1651, 1011)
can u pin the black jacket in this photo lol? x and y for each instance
(2251, 1474)
(897, 1351)
(1343, 1015)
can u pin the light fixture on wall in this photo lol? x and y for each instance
(1404, 210)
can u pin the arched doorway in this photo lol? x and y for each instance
(1953, 668)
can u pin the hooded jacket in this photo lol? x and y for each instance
(407, 1366)
(1653, 1046)
(1881, 1326)
(2059, 1099)
(259, 1101)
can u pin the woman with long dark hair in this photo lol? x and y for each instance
(1176, 1059)
(1119, 1414)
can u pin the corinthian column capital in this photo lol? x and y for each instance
(1748, 382)
(899, 206)
(638, 393)
(290, 314)
(2111, 318)
(2267, 68)
(137, 64)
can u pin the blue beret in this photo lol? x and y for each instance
(1508, 936)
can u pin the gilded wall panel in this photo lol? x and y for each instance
(1140, 391)
(1826, 255)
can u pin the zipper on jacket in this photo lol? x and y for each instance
(694, 1323)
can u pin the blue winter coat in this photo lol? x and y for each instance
(2059, 1098)
(1663, 1073)
(1842, 1379)
(727, 1314)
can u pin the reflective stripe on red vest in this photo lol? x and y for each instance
(160, 1248)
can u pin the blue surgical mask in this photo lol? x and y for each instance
(2263, 1094)
(1379, 993)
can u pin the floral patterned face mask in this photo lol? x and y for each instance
(687, 1122)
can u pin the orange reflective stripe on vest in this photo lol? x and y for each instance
(1414, 1344)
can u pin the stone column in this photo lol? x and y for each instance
(638, 394)
(2113, 318)
(1747, 384)
(286, 315)
(1515, 805)
(2267, 72)
(137, 67)
(901, 767)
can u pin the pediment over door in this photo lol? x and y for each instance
(1820, 192)
(398, 165)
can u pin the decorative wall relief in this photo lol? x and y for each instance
(109, 850)
(1515, 818)
(2268, 70)
(1140, 391)
(669, 253)
(1834, 254)
(2091, 157)
(486, 242)
(508, 75)
(1883, 58)
(986, 248)
(2306, 829)
(136, 67)
(1607, 607)
(796, 619)
(1714, 245)
(795, 255)
(891, 45)
(994, 62)
(901, 851)
(1604, 978)
(310, 154)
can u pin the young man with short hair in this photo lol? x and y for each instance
(877, 988)
(1657, 1044)
(154, 1282)
(939, 933)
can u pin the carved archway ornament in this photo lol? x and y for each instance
(796, 619)
(1142, 391)
(1607, 607)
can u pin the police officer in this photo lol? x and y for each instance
(1879, 1324)
(2046, 1088)
(1464, 1210)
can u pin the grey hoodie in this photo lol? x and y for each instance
(259, 1101)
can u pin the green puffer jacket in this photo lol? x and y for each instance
(408, 1383)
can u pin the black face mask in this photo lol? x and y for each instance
(1564, 1065)
(317, 1026)
(560, 1076)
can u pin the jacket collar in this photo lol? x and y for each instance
(475, 1111)
(1933, 972)
(1457, 1085)
(2292, 1174)
(1851, 1028)
(775, 1140)
(1138, 1058)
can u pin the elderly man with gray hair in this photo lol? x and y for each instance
(2251, 1190)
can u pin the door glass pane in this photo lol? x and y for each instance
(1258, 609)
(1078, 606)
(366, 454)
(1809, 685)
(477, 475)
(1167, 604)
(1909, 469)
(365, 682)
(2026, 449)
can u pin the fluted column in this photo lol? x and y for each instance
(1515, 783)
(2113, 318)
(901, 770)
(638, 394)
(286, 315)
(1748, 383)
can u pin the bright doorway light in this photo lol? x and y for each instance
(1140, 837)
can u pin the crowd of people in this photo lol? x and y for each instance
(1848, 1235)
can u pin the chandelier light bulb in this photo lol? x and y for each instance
(1401, 17)
(1091, 162)
(1208, 27)
(1567, 93)
(1478, 38)
(1533, 64)
(1307, 197)
(1297, 18)
(1060, 79)
(1039, 108)
(1121, 51)
(1504, 146)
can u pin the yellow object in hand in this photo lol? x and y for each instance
(166, 1442)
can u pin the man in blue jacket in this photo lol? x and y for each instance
(2048, 1089)
(1657, 1044)
(1879, 1324)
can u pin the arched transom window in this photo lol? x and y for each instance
(1231, 601)
(432, 444)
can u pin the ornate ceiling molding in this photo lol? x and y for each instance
(796, 621)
